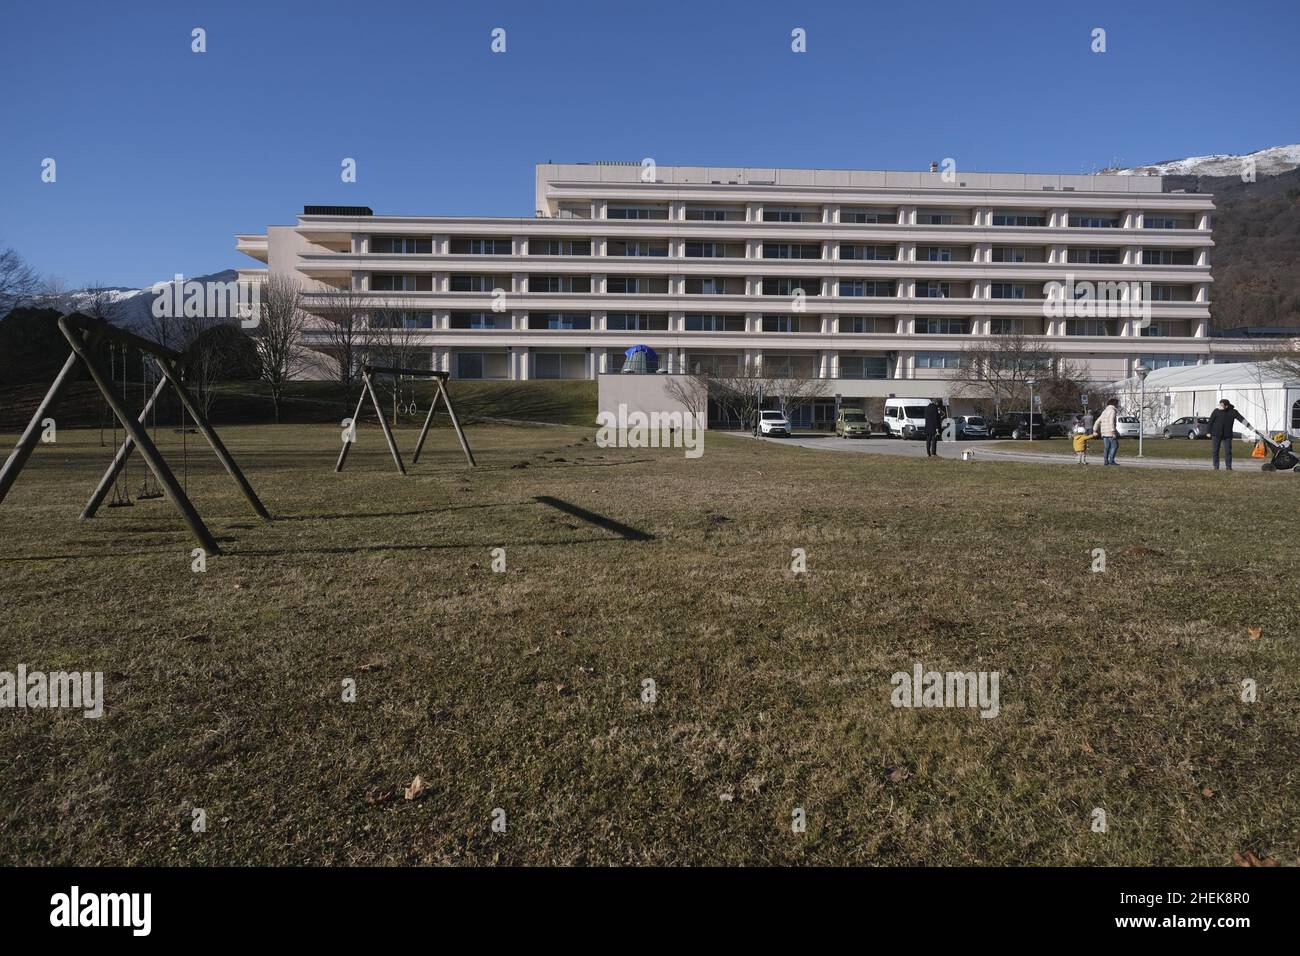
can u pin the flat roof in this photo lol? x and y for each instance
(631, 172)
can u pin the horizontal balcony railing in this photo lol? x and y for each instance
(647, 229)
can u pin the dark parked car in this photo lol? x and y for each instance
(1188, 427)
(1016, 425)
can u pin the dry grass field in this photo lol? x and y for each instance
(522, 690)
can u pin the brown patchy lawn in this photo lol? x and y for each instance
(522, 690)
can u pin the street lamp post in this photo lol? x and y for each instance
(1031, 383)
(1142, 373)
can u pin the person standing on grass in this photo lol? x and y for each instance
(933, 422)
(1221, 421)
(1106, 427)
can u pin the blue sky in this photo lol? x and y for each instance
(163, 154)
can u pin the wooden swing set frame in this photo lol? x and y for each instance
(84, 334)
(368, 389)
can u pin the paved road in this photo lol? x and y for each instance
(983, 450)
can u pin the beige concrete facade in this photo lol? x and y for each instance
(864, 277)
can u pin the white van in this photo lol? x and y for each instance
(905, 417)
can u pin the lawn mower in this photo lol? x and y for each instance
(1280, 456)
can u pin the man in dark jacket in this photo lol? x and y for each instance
(933, 421)
(1221, 421)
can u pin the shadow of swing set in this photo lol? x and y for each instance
(85, 335)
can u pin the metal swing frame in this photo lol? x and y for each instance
(83, 335)
(368, 389)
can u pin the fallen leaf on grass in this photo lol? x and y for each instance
(896, 774)
(1250, 859)
(1207, 792)
(1086, 749)
(379, 795)
(1255, 632)
(416, 790)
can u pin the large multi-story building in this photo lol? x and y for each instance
(867, 278)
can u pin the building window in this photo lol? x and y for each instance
(1159, 222)
(478, 320)
(942, 326)
(1094, 222)
(384, 319)
(482, 247)
(779, 323)
(1006, 326)
(477, 284)
(936, 254)
(634, 247)
(792, 286)
(493, 365)
(1168, 361)
(636, 212)
(696, 322)
(791, 250)
(930, 360)
(866, 325)
(866, 253)
(1018, 219)
(572, 284)
(790, 215)
(711, 214)
(869, 216)
(401, 245)
(866, 287)
(559, 320)
(1006, 290)
(560, 365)
(559, 247)
(1010, 254)
(936, 219)
(1167, 257)
(636, 322)
(401, 282)
(934, 290)
(864, 366)
(1091, 327)
(1096, 257)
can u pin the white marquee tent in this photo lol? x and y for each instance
(1268, 400)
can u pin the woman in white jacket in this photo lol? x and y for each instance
(1105, 427)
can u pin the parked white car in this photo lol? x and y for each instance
(1126, 426)
(771, 422)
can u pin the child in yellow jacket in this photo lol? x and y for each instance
(1081, 440)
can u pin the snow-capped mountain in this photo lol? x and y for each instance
(1268, 162)
(126, 308)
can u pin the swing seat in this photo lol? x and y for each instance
(149, 495)
(121, 504)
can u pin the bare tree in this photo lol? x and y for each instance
(1283, 360)
(740, 394)
(205, 360)
(998, 369)
(793, 393)
(693, 391)
(18, 281)
(344, 337)
(278, 336)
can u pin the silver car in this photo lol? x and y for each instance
(1189, 426)
(971, 426)
(1126, 426)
